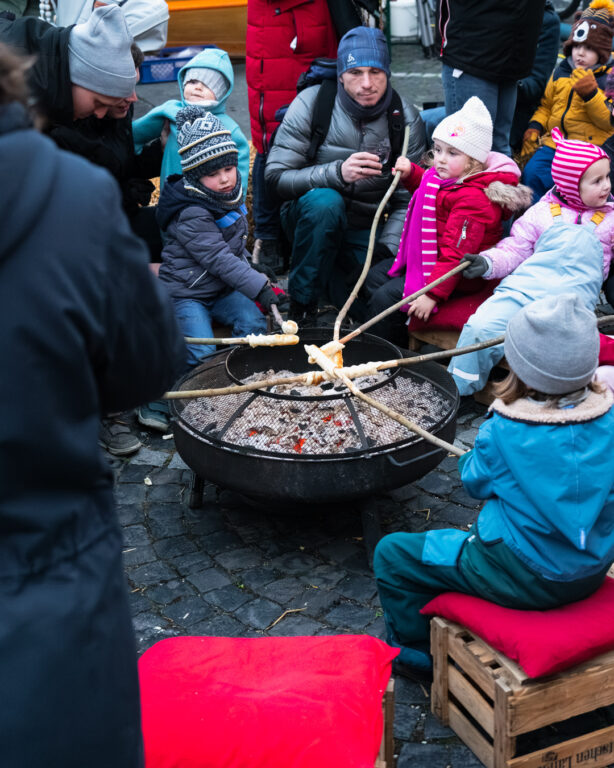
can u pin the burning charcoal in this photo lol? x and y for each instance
(295, 393)
(294, 409)
(210, 426)
(326, 385)
(302, 425)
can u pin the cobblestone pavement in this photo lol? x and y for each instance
(229, 569)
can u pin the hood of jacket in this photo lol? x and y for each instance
(173, 199)
(499, 180)
(21, 210)
(211, 58)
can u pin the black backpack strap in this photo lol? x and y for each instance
(320, 119)
(396, 127)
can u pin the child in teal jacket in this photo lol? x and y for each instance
(544, 463)
(209, 83)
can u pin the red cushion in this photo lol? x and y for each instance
(606, 350)
(452, 314)
(308, 702)
(542, 642)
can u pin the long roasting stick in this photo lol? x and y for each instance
(366, 266)
(253, 339)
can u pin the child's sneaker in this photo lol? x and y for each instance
(116, 435)
(155, 415)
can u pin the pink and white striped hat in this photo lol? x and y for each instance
(571, 159)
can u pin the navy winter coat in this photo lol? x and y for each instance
(205, 255)
(85, 331)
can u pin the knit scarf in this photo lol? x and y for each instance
(417, 252)
(218, 203)
(357, 111)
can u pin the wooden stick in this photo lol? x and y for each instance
(404, 300)
(253, 339)
(366, 266)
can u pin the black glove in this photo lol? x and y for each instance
(380, 253)
(478, 267)
(262, 268)
(283, 302)
(267, 296)
(138, 191)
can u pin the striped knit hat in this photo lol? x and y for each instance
(571, 160)
(204, 144)
(593, 27)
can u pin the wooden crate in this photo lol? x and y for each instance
(489, 702)
(385, 756)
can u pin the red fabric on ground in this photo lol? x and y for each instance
(542, 642)
(305, 702)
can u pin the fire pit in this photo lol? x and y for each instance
(289, 447)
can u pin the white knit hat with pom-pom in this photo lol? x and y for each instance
(469, 130)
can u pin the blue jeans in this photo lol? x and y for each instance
(431, 119)
(326, 254)
(537, 172)
(195, 317)
(265, 203)
(499, 99)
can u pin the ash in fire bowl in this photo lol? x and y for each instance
(312, 427)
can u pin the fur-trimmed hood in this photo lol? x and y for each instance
(511, 197)
(531, 412)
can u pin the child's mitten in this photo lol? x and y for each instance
(584, 84)
(530, 142)
(479, 265)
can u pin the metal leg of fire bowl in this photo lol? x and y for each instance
(197, 487)
(371, 528)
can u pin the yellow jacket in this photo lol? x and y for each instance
(563, 107)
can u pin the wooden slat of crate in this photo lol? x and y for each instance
(472, 700)
(574, 752)
(572, 692)
(385, 756)
(197, 22)
(470, 736)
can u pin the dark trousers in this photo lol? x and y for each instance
(265, 203)
(382, 292)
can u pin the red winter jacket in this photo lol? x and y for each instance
(469, 217)
(272, 67)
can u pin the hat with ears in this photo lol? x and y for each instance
(570, 162)
(99, 56)
(469, 130)
(552, 344)
(593, 27)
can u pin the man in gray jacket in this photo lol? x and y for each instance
(331, 203)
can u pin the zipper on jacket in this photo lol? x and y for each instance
(565, 112)
(463, 233)
(198, 279)
(265, 140)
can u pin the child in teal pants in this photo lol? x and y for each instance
(544, 461)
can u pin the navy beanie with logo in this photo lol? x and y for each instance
(363, 47)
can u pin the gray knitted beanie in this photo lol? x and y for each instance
(552, 344)
(204, 144)
(99, 56)
(214, 80)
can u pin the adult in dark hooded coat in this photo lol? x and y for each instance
(85, 329)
